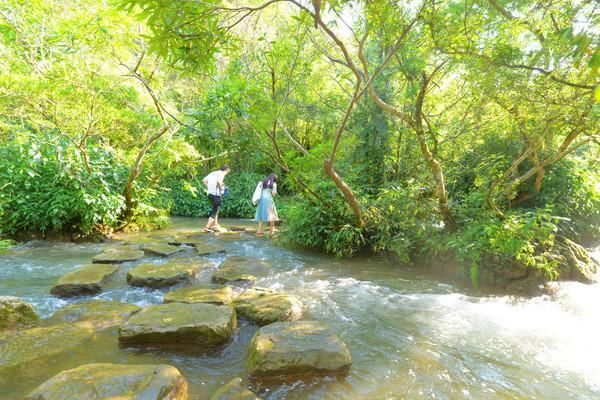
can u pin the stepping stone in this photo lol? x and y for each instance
(164, 250)
(189, 241)
(176, 323)
(16, 314)
(201, 294)
(101, 314)
(234, 390)
(297, 348)
(117, 256)
(204, 249)
(88, 279)
(265, 307)
(240, 270)
(163, 275)
(21, 348)
(114, 381)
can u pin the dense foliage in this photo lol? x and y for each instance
(418, 128)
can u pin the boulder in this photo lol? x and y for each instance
(241, 270)
(16, 314)
(117, 256)
(265, 307)
(163, 275)
(205, 249)
(23, 347)
(101, 314)
(201, 294)
(161, 249)
(114, 381)
(285, 349)
(176, 323)
(234, 390)
(86, 280)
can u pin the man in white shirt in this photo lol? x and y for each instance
(215, 186)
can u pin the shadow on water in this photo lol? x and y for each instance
(412, 334)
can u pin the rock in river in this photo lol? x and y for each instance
(201, 294)
(234, 390)
(161, 249)
(15, 313)
(114, 381)
(163, 275)
(88, 279)
(117, 256)
(265, 307)
(241, 270)
(297, 348)
(100, 313)
(176, 323)
(23, 347)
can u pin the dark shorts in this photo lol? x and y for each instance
(216, 203)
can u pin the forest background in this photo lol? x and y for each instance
(466, 129)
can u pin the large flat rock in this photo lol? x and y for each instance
(16, 314)
(163, 275)
(205, 249)
(114, 381)
(234, 390)
(201, 294)
(265, 307)
(23, 347)
(297, 348)
(86, 280)
(177, 323)
(239, 270)
(100, 313)
(161, 249)
(117, 256)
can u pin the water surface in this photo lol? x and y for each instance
(412, 335)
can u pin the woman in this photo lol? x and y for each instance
(266, 211)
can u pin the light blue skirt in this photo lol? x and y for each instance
(265, 210)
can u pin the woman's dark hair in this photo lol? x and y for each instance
(225, 167)
(268, 183)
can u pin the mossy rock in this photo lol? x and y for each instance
(240, 270)
(16, 314)
(163, 275)
(100, 313)
(86, 280)
(201, 294)
(21, 347)
(299, 348)
(205, 249)
(265, 307)
(114, 381)
(234, 390)
(177, 323)
(161, 249)
(117, 256)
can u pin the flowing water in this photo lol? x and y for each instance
(411, 335)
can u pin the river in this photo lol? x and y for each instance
(412, 335)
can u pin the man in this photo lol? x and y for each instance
(215, 186)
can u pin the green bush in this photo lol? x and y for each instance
(187, 197)
(46, 187)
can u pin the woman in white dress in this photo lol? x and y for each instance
(266, 210)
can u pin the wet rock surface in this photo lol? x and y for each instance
(178, 323)
(234, 390)
(100, 313)
(164, 275)
(117, 256)
(16, 314)
(299, 348)
(240, 270)
(114, 381)
(264, 306)
(161, 249)
(201, 294)
(85, 280)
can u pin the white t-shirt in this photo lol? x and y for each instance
(212, 180)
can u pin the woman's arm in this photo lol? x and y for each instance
(274, 189)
